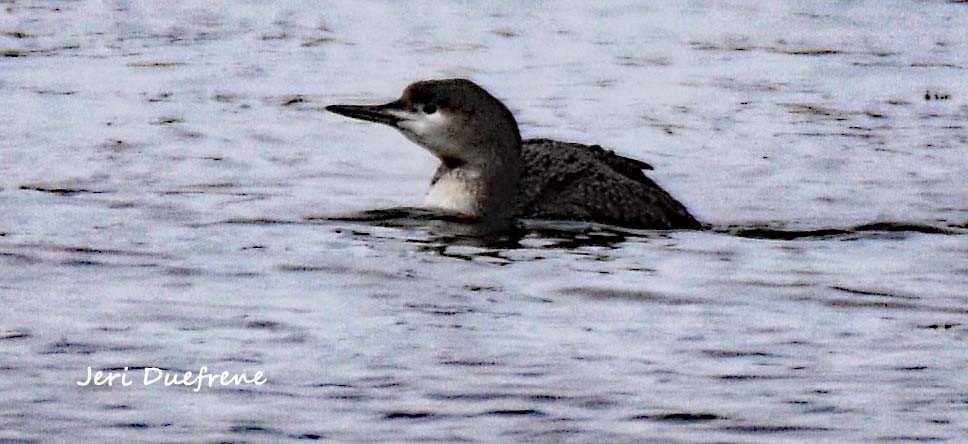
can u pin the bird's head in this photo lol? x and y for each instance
(455, 119)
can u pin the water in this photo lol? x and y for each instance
(168, 178)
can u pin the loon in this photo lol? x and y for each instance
(488, 174)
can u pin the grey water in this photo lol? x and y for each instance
(173, 196)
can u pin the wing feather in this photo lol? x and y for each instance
(571, 181)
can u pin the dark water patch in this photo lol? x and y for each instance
(294, 268)
(396, 217)
(871, 293)
(16, 34)
(444, 230)
(774, 284)
(117, 407)
(411, 415)
(594, 403)
(636, 295)
(257, 324)
(276, 36)
(6, 335)
(745, 378)
(317, 42)
(83, 263)
(242, 274)
(333, 384)
(309, 436)
(906, 227)
(871, 304)
(293, 100)
(491, 257)
(183, 271)
(349, 397)
(940, 326)
(156, 64)
(68, 347)
(732, 47)
(119, 146)
(20, 259)
(543, 398)
(138, 425)
(105, 329)
(86, 250)
(468, 397)
(254, 428)
(259, 221)
(726, 354)
(884, 305)
(55, 92)
(167, 120)
(43, 52)
(514, 412)
(469, 363)
(769, 233)
(348, 271)
(915, 368)
(243, 360)
(768, 429)
(556, 435)
(479, 288)
(830, 134)
(506, 33)
(159, 97)
(827, 410)
(678, 417)
(87, 348)
(910, 438)
(809, 52)
(936, 65)
(18, 441)
(378, 381)
(121, 205)
(441, 310)
(54, 189)
(782, 48)
(639, 61)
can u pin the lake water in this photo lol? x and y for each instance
(168, 178)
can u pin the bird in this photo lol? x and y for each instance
(488, 174)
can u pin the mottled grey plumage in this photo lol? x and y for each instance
(487, 172)
(570, 181)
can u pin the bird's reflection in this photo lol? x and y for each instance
(437, 231)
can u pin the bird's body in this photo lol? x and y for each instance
(487, 172)
(570, 181)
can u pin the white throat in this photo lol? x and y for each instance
(454, 192)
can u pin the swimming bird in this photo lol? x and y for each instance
(487, 173)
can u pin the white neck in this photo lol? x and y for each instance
(457, 191)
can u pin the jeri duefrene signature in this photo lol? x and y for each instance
(155, 375)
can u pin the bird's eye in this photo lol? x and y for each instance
(429, 108)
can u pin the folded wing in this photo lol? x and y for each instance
(571, 181)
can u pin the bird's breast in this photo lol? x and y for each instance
(453, 193)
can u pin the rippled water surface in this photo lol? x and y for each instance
(169, 181)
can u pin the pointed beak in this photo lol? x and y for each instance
(387, 114)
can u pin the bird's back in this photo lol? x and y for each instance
(570, 181)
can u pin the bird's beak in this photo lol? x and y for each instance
(387, 114)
